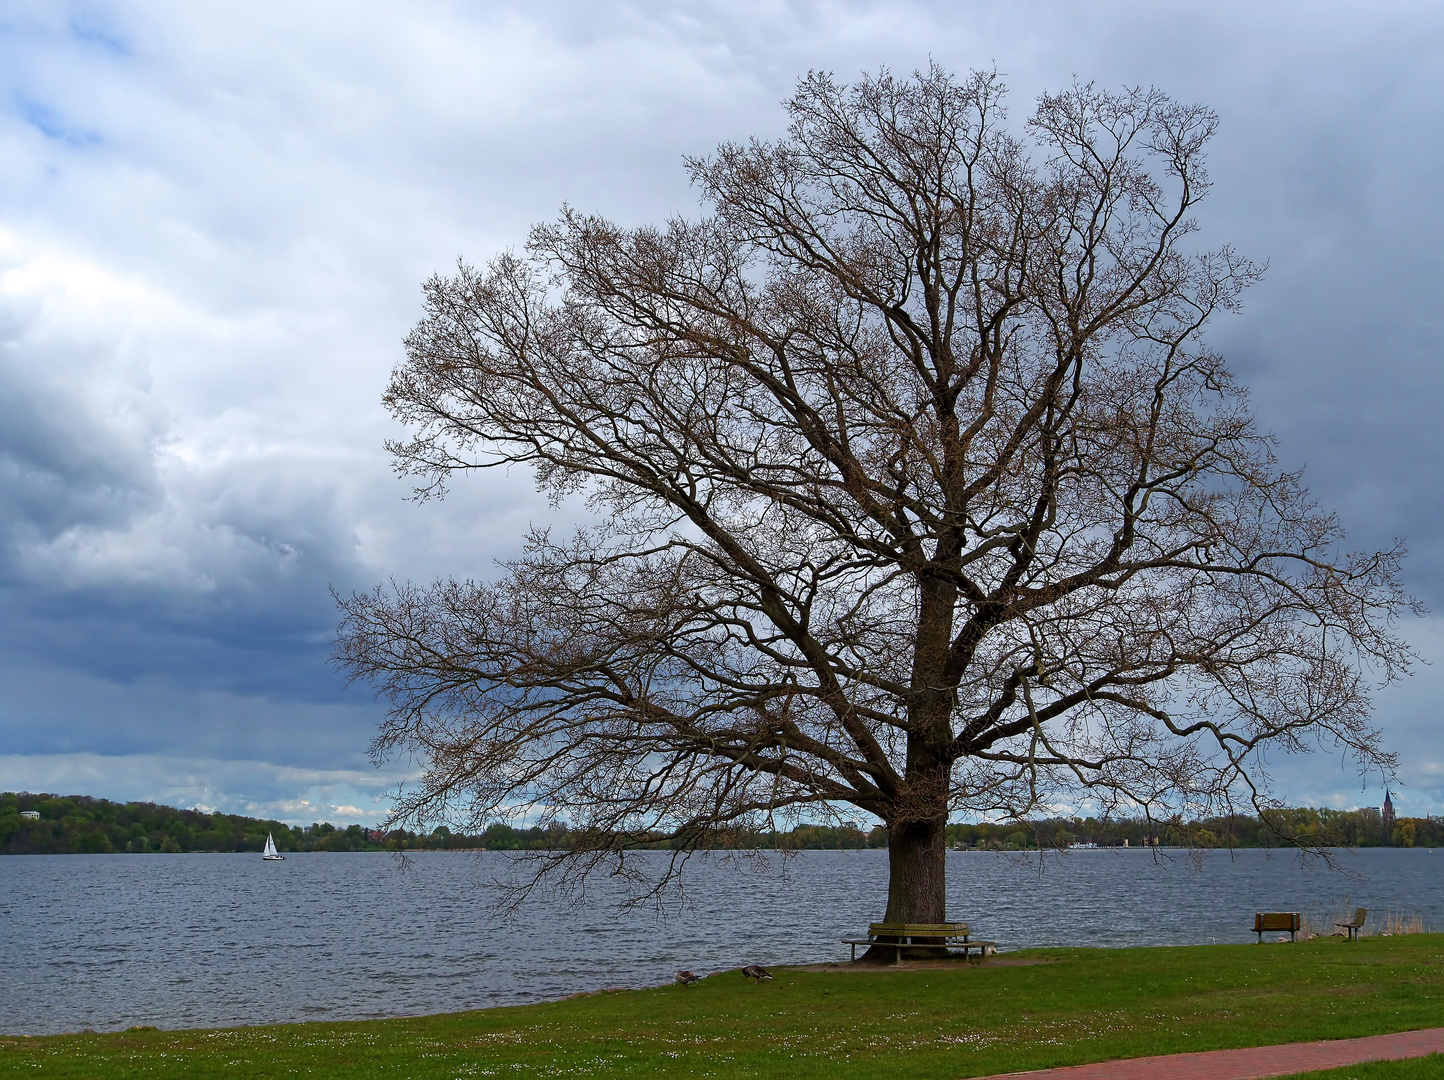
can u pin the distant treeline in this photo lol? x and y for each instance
(79, 824)
(76, 824)
(1323, 828)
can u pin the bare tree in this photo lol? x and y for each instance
(914, 488)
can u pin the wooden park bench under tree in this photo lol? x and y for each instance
(1265, 922)
(1354, 925)
(935, 936)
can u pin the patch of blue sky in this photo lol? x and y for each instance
(51, 124)
(89, 30)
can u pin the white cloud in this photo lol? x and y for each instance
(233, 786)
(215, 220)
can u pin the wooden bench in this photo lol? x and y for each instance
(900, 936)
(1265, 922)
(1354, 925)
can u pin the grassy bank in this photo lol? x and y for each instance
(1066, 1006)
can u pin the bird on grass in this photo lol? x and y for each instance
(756, 972)
(687, 978)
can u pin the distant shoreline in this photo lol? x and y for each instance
(46, 824)
(1049, 852)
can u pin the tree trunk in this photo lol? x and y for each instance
(917, 879)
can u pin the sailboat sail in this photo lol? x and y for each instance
(271, 852)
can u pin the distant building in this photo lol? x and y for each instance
(1388, 812)
(30, 815)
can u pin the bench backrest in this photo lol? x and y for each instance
(1359, 915)
(1264, 921)
(941, 929)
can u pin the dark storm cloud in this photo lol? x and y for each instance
(215, 220)
(65, 459)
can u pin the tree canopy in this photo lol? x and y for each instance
(913, 488)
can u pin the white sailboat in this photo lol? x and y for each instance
(271, 852)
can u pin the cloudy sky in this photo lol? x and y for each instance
(214, 220)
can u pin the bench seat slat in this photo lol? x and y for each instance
(1266, 921)
(946, 935)
(899, 946)
(970, 943)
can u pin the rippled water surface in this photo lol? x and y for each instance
(107, 941)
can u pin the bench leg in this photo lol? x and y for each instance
(897, 949)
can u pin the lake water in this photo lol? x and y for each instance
(107, 941)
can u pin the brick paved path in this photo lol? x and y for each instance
(1251, 1062)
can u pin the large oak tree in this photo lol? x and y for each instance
(913, 488)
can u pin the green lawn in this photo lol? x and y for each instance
(1077, 1005)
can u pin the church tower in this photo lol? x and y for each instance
(1388, 816)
